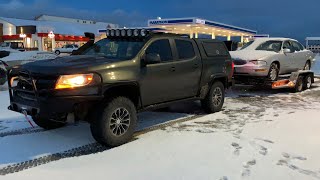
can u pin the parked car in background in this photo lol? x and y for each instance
(66, 49)
(269, 57)
(3, 73)
(12, 45)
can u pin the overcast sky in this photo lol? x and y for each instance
(289, 18)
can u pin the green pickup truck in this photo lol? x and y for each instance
(106, 83)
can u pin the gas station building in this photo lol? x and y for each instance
(195, 27)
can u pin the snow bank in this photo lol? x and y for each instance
(29, 55)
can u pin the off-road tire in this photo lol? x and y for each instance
(273, 69)
(103, 125)
(48, 124)
(210, 104)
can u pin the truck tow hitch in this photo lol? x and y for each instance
(25, 113)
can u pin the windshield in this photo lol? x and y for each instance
(270, 46)
(123, 49)
(246, 45)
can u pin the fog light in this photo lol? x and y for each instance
(123, 32)
(136, 32)
(112, 32)
(143, 32)
(108, 33)
(117, 32)
(129, 32)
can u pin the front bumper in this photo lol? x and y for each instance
(48, 103)
(251, 70)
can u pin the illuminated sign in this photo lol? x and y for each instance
(51, 35)
(22, 35)
(200, 21)
(158, 22)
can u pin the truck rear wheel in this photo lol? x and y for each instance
(48, 124)
(114, 123)
(214, 100)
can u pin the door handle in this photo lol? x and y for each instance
(195, 66)
(173, 69)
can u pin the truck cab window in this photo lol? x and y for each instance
(161, 47)
(185, 49)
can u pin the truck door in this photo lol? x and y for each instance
(158, 82)
(188, 67)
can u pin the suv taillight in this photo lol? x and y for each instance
(232, 69)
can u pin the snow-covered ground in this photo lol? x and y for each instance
(259, 135)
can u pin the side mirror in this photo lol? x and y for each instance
(152, 58)
(286, 51)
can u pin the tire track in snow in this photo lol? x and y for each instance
(88, 149)
(23, 131)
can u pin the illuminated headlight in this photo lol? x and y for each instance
(112, 32)
(258, 63)
(73, 81)
(143, 32)
(136, 32)
(108, 33)
(117, 32)
(123, 32)
(129, 32)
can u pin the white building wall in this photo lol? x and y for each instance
(8, 29)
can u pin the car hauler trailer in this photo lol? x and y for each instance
(297, 81)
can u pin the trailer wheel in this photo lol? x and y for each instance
(299, 84)
(307, 82)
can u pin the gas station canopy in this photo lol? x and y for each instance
(195, 26)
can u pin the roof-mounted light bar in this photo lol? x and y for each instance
(127, 32)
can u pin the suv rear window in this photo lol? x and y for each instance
(185, 49)
(215, 49)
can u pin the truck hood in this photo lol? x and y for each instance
(66, 65)
(250, 54)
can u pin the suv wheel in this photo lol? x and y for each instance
(273, 72)
(214, 100)
(114, 123)
(48, 124)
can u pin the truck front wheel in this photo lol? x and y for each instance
(114, 123)
(214, 100)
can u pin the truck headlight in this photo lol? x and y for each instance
(73, 81)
